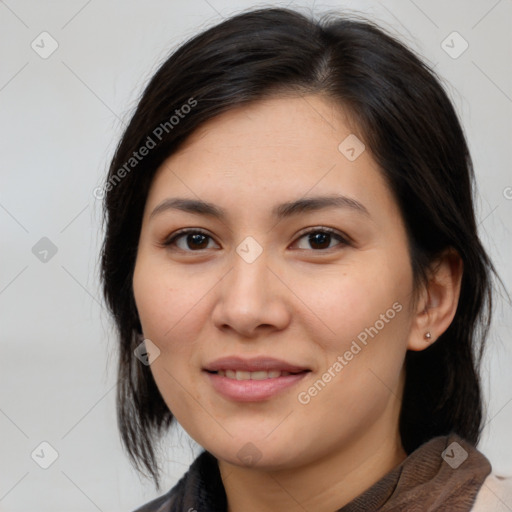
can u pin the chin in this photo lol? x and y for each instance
(262, 455)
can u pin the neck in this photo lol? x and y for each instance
(323, 485)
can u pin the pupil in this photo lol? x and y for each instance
(320, 238)
(197, 238)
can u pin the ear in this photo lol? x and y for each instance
(438, 300)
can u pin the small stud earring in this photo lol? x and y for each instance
(428, 336)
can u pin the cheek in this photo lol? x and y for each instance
(168, 306)
(363, 349)
(365, 307)
(354, 299)
(165, 302)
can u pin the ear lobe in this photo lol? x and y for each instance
(438, 302)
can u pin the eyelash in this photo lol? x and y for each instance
(344, 241)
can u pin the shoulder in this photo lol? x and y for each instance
(161, 504)
(199, 488)
(167, 502)
(495, 494)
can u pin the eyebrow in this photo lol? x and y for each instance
(281, 211)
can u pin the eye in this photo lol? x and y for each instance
(321, 238)
(190, 240)
(194, 240)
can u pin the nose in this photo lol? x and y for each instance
(252, 299)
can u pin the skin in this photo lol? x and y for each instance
(297, 301)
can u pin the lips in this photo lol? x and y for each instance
(252, 380)
(259, 375)
(267, 364)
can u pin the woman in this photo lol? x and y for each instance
(292, 261)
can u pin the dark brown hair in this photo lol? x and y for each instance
(405, 119)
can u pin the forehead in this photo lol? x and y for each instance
(274, 120)
(278, 146)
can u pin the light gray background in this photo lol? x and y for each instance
(60, 121)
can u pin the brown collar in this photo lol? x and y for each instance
(444, 474)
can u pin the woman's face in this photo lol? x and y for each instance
(283, 324)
